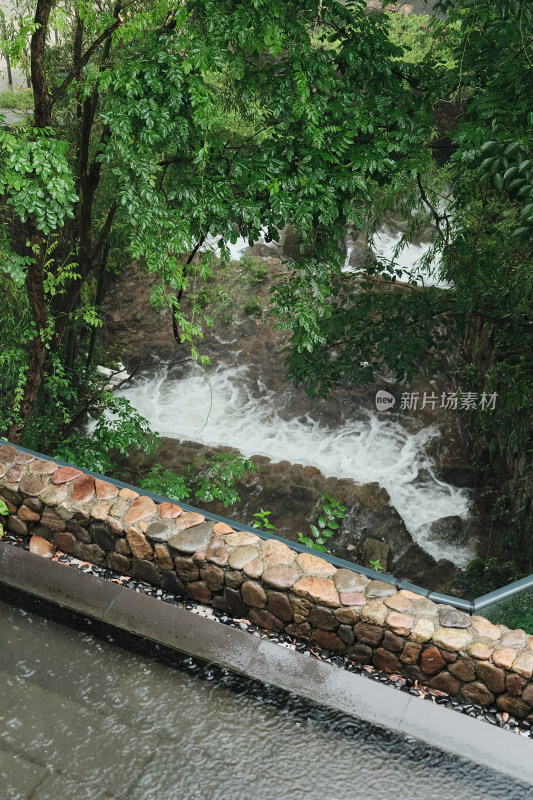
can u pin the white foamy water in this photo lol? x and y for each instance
(384, 247)
(221, 411)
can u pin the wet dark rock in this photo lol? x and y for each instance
(234, 579)
(264, 619)
(279, 605)
(477, 692)
(186, 569)
(91, 553)
(392, 642)
(322, 617)
(200, 592)
(213, 576)
(118, 563)
(230, 601)
(368, 634)
(513, 705)
(448, 529)
(362, 653)
(328, 639)
(463, 476)
(146, 570)
(101, 536)
(445, 682)
(493, 677)
(65, 541)
(464, 669)
(386, 660)
(345, 632)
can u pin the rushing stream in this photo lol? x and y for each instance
(220, 410)
(229, 406)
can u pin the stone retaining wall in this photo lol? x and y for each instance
(268, 583)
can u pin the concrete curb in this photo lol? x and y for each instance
(267, 662)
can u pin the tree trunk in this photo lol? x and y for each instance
(9, 75)
(35, 275)
(41, 97)
(37, 350)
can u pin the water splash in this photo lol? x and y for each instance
(222, 410)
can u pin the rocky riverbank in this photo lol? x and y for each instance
(243, 337)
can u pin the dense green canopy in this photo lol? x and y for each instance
(157, 124)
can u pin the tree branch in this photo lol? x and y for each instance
(62, 88)
(104, 233)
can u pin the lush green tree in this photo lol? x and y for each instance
(480, 58)
(155, 126)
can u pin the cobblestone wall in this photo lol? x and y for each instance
(267, 582)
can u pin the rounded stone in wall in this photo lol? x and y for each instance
(386, 661)
(392, 642)
(233, 579)
(513, 705)
(410, 652)
(91, 552)
(254, 595)
(432, 661)
(368, 634)
(361, 653)
(279, 605)
(118, 563)
(493, 677)
(17, 526)
(464, 669)
(212, 575)
(322, 617)
(445, 683)
(264, 619)
(477, 692)
(328, 640)
(146, 571)
(65, 541)
(198, 591)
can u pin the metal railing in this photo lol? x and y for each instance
(469, 606)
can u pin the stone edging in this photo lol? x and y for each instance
(265, 581)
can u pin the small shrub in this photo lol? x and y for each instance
(19, 100)
(255, 271)
(253, 307)
(4, 511)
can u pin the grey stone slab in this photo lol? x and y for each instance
(328, 685)
(468, 738)
(67, 738)
(19, 776)
(182, 630)
(64, 787)
(59, 667)
(56, 582)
